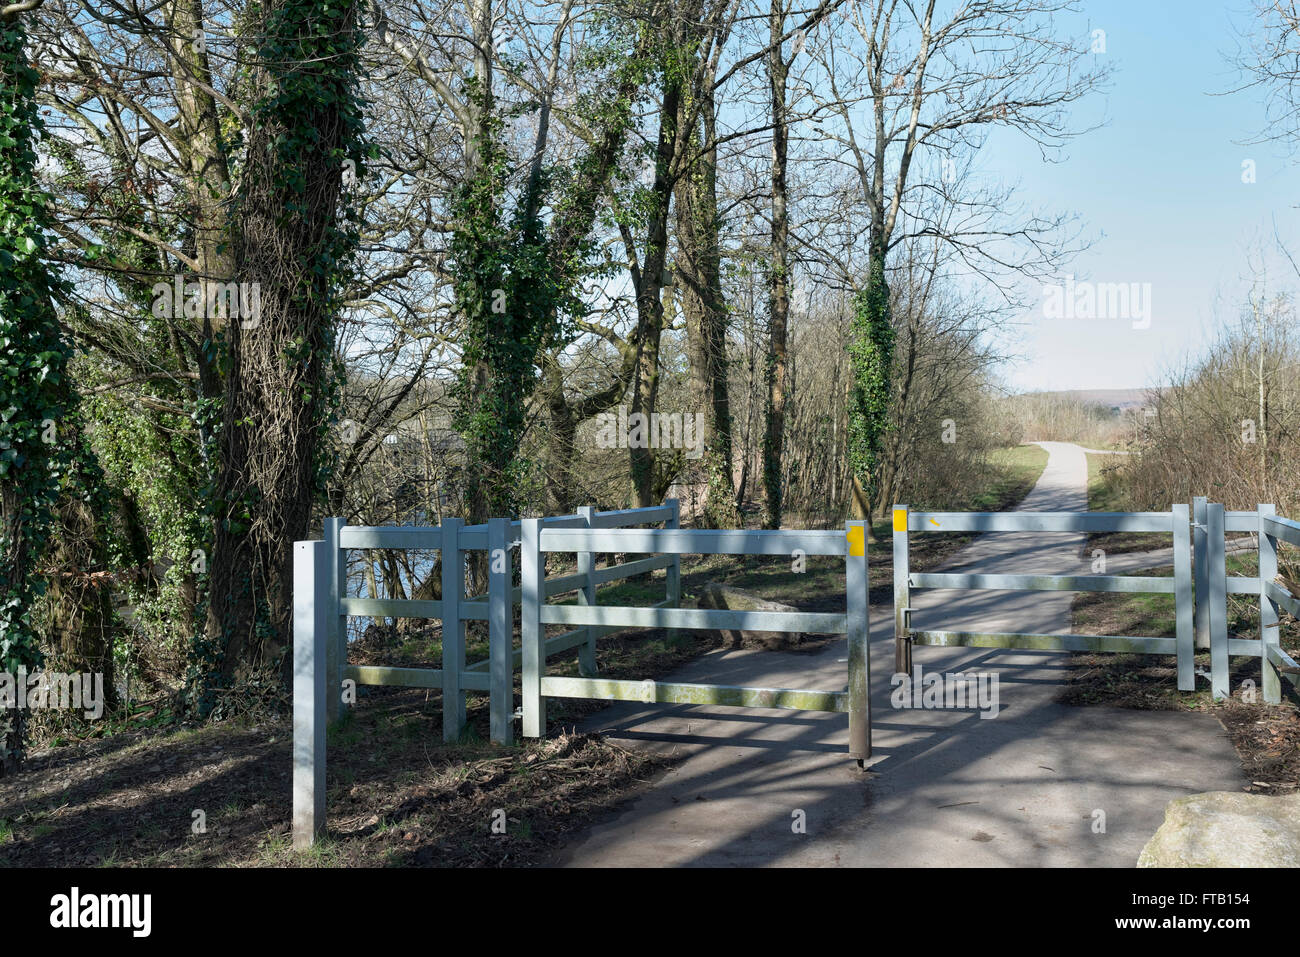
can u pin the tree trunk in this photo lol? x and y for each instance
(277, 397)
(871, 353)
(562, 434)
(649, 305)
(34, 402)
(699, 266)
(779, 290)
(81, 605)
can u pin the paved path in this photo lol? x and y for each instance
(1063, 487)
(945, 787)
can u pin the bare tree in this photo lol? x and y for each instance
(936, 78)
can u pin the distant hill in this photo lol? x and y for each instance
(1122, 399)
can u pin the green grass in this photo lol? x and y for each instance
(1016, 470)
(1105, 494)
(1139, 614)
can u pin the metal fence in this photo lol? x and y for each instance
(1200, 586)
(1199, 583)
(321, 608)
(455, 540)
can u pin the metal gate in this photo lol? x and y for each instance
(322, 606)
(1200, 586)
(537, 541)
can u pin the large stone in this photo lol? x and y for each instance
(726, 596)
(1227, 829)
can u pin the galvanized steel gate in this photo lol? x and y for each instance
(322, 606)
(1199, 584)
(537, 541)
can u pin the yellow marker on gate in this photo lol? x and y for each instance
(857, 536)
(900, 519)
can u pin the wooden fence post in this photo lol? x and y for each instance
(500, 632)
(1201, 569)
(902, 594)
(858, 625)
(587, 596)
(1218, 593)
(673, 574)
(336, 625)
(532, 633)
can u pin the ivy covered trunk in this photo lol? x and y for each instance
(505, 296)
(34, 390)
(281, 386)
(500, 334)
(699, 265)
(649, 304)
(516, 271)
(871, 355)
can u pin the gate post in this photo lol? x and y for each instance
(1201, 569)
(1184, 599)
(587, 596)
(857, 584)
(1218, 604)
(531, 630)
(902, 594)
(336, 625)
(1270, 680)
(673, 574)
(501, 659)
(310, 591)
(453, 629)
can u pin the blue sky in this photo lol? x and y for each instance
(1159, 188)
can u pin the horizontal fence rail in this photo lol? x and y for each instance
(1090, 583)
(694, 542)
(817, 623)
(1037, 521)
(1116, 643)
(662, 692)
